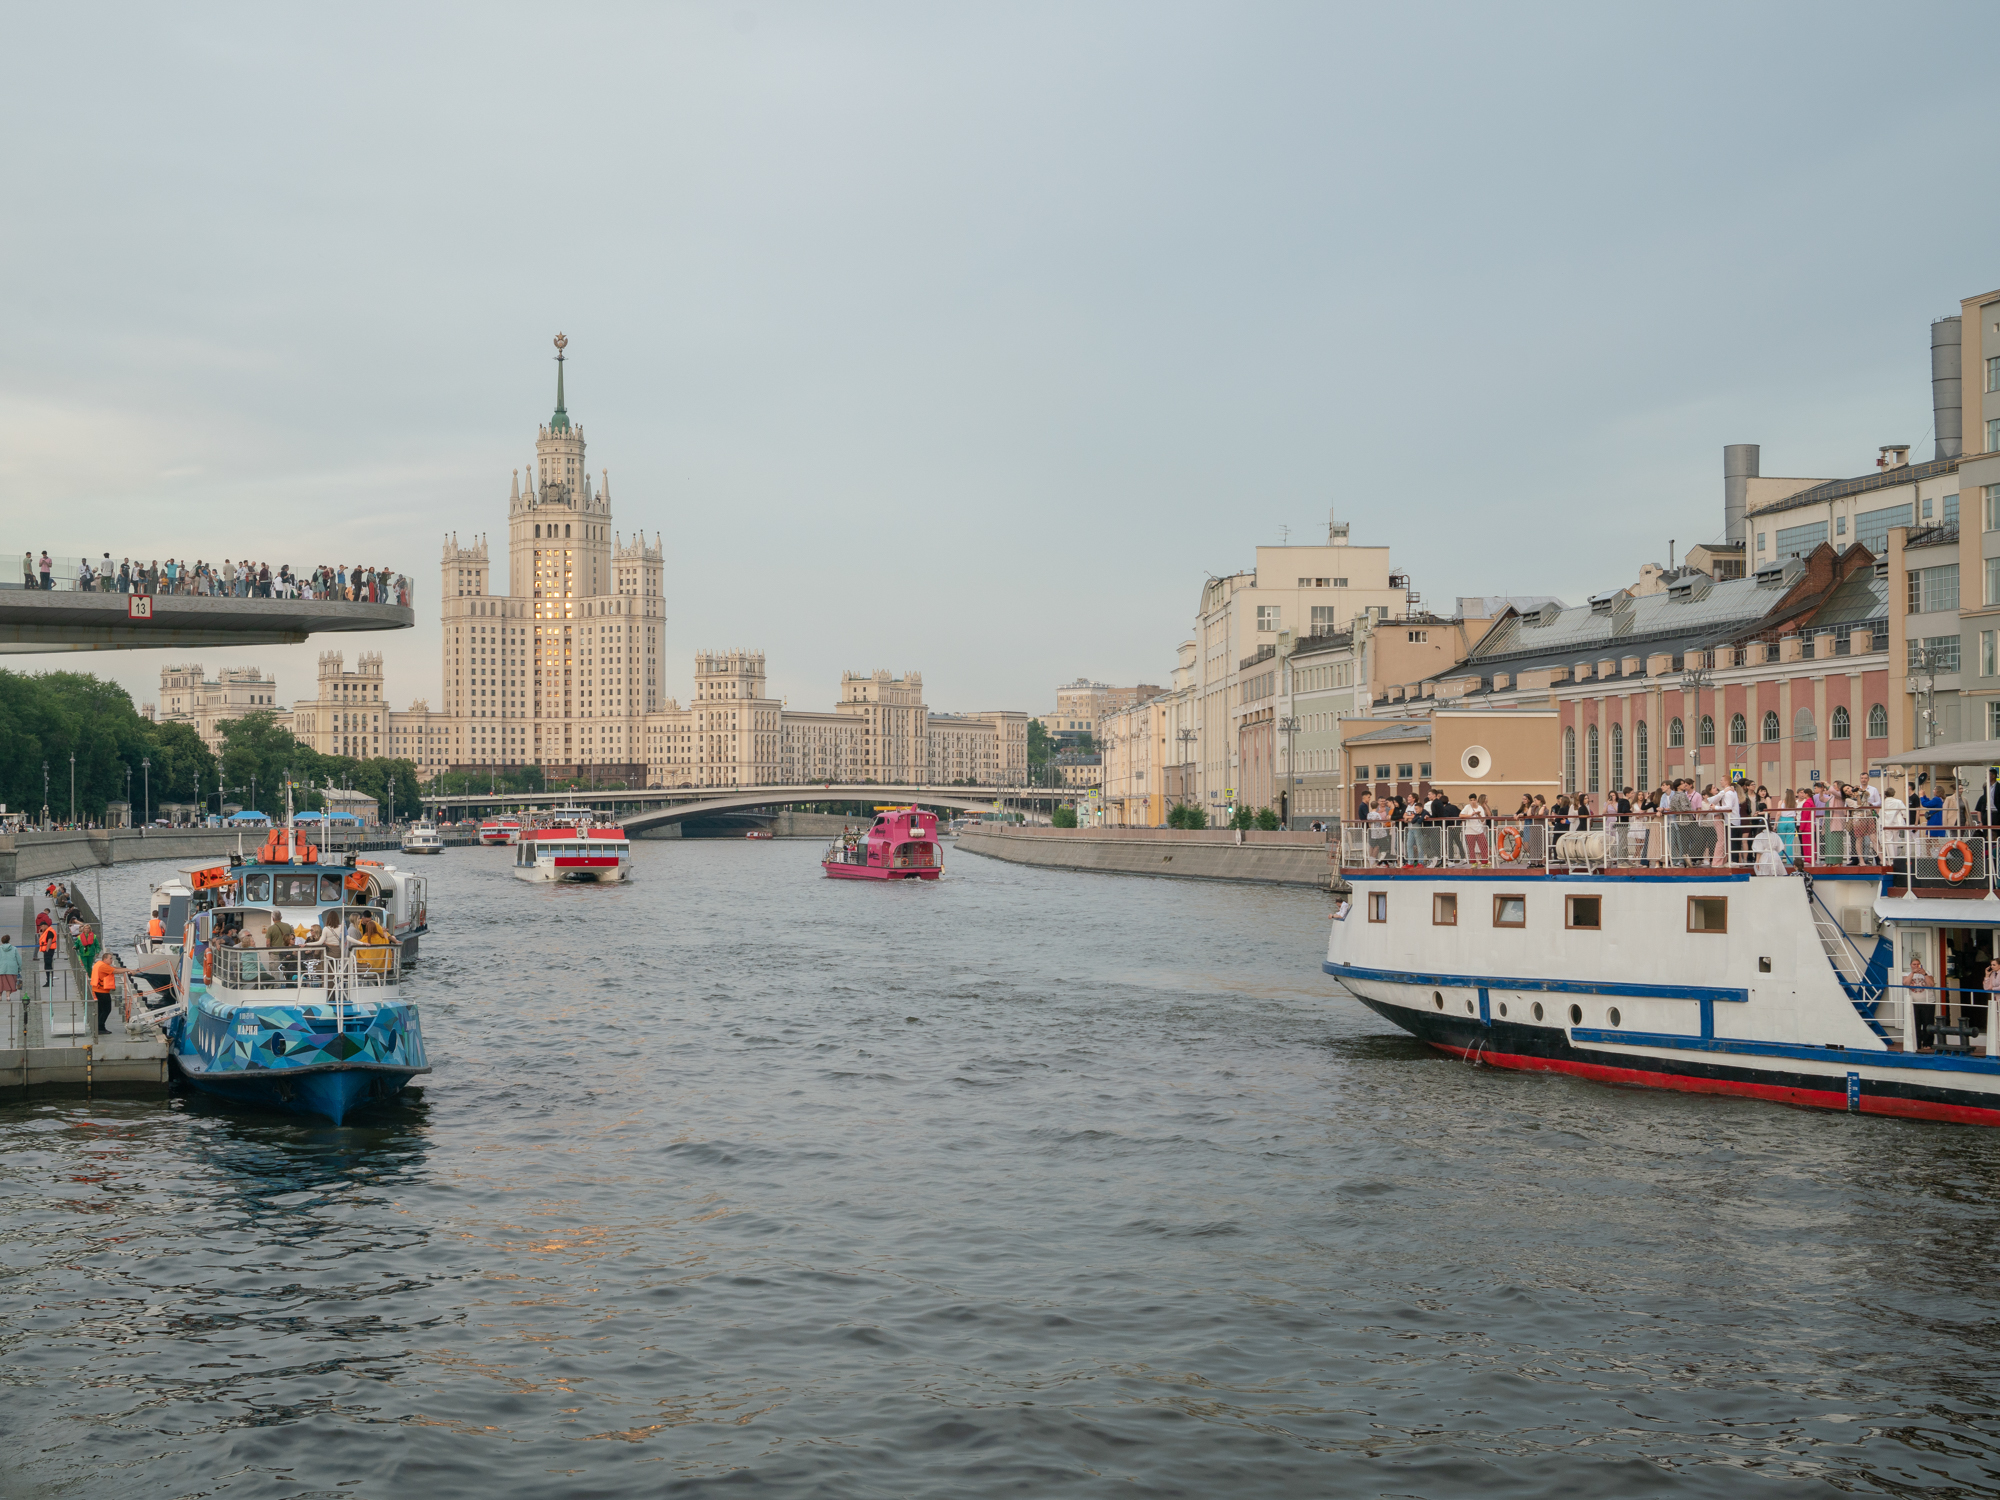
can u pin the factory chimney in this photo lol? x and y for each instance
(1739, 467)
(1947, 399)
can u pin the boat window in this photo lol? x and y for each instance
(256, 887)
(1510, 911)
(1583, 911)
(296, 890)
(329, 888)
(1708, 914)
(1444, 909)
(1378, 906)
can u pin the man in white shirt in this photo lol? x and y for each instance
(1732, 808)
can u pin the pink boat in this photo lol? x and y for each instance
(901, 844)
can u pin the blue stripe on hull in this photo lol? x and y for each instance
(329, 1093)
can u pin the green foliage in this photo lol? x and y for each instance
(1063, 817)
(1243, 819)
(48, 716)
(260, 756)
(1267, 820)
(1040, 745)
(1187, 815)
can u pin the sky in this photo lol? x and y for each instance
(967, 339)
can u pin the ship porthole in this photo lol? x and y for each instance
(1576, 1015)
(1437, 998)
(1503, 1009)
(1611, 1015)
(1538, 1010)
(1471, 1009)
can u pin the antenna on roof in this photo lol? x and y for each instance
(1284, 536)
(1670, 554)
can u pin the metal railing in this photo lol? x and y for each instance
(66, 575)
(1792, 841)
(1934, 1018)
(359, 966)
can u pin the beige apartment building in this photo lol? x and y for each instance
(207, 703)
(1147, 751)
(1316, 591)
(1081, 706)
(347, 714)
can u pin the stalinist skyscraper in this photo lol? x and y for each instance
(561, 669)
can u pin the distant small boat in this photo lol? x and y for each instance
(500, 831)
(901, 844)
(758, 833)
(423, 838)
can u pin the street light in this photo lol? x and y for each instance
(45, 794)
(1187, 738)
(1693, 680)
(72, 786)
(1289, 724)
(147, 766)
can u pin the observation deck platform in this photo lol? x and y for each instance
(66, 620)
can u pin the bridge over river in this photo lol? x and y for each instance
(654, 807)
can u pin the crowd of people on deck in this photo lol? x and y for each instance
(1682, 823)
(299, 948)
(232, 579)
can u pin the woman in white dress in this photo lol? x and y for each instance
(1769, 850)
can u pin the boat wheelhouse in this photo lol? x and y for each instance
(901, 844)
(1657, 954)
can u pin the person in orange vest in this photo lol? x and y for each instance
(156, 928)
(47, 943)
(104, 984)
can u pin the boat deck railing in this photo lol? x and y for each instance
(364, 966)
(1941, 1018)
(1924, 860)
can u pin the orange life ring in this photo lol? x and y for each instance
(1965, 853)
(1510, 843)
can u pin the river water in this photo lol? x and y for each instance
(740, 1181)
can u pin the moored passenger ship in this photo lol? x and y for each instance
(1852, 986)
(578, 854)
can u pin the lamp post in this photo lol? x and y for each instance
(1289, 723)
(147, 766)
(45, 794)
(1693, 680)
(1187, 738)
(128, 790)
(72, 787)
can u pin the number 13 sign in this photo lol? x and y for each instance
(138, 606)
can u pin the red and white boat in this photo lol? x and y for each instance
(499, 830)
(901, 844)
(584, 856)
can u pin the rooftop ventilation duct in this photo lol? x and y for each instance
(1739, 466)
(1947, 398)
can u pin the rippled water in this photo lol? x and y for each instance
(740, 1181)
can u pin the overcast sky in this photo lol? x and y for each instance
(968, 338)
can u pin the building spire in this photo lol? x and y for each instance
(560, 421)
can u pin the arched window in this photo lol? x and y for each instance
(1590, 762)
(1878, 723)
(1676, 735)
(1617, 757)
(1569, 760)
(1773, 730)
(1802, 725)
(1739, 730)
(1707, 730)
(1840, 725)
(1643, 779)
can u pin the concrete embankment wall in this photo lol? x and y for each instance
(1209, 854)
(36, 856)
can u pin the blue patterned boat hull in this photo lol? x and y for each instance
(297, 1057)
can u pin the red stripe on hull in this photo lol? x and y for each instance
(1908, 1109)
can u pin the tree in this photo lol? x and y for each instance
(1267, 820)
(1040, 745)
(49, 716)
(1242, 819)
(1186, 815)
(1063, 817)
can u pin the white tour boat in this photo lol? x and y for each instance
(581, 854)
(423, 838)
(1849, 976)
